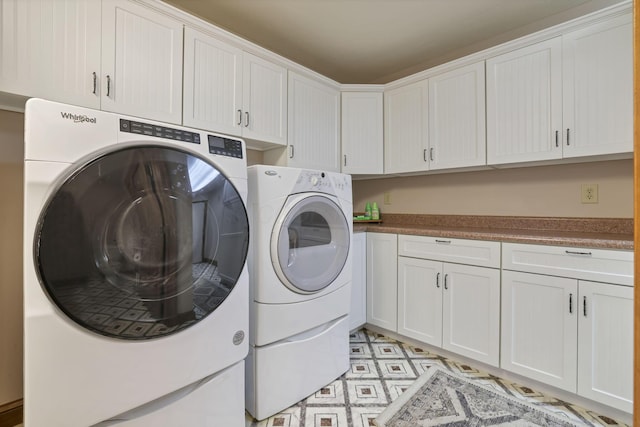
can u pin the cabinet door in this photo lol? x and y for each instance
(51, 49)
(598, 89)
(141, 62)
(539, 328)
(358, 312)
(314, 124)
(471, 313)
(406, 128)
(524, 104)
(382, 277)
(362, 133)
(457, 118)
(420, 299)
(264, 100)
(605, 344)
(212, 84)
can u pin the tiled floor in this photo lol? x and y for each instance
(381, 369)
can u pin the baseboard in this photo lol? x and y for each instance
(11, 413)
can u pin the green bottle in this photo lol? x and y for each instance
(367, 211)
(375, 212)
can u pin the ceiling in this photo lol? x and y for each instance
(378, 41)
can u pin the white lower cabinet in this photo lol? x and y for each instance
(358, 311)
(568, 332)
(382, 267)
(605, 344)
(450, 305)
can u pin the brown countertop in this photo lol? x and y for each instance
(605, 233)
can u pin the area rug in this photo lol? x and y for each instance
(442, 398)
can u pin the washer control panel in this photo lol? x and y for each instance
(217, 144)
(225, 146)
(159, 131)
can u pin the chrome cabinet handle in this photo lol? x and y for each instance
(567, 136)
(446, 242)
(570, 303)
(246, 114)
(584, 306)
(431, 154)
(438, 280)
(95, 82)
(291, 151)
(345, 160)
(424, 154)
(446, 276)
(108, 85)
(557, 139)
(239, 117)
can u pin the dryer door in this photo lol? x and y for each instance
(310, 242)
(141, 242)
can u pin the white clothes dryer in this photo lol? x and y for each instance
(135, 284)
(300, 284)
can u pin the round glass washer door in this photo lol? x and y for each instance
(141, 242)
(310, 243)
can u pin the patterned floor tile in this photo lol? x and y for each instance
(396, 368)
(331, 394)
(362, 368)
(359, 350)
(326, 417)
(366, 392)
(387, 350)
(381, 369)
(364, 416)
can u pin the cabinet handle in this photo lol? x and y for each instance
(108, 85)
(584, 306)
(438, 280)
(567, 136)
(557, 144)
(345, 160)
(239, 117)
(446, 287)
(570, 303)
(424, 154)
(578, 253)
(95, 82)
(431, 154)
(246, 114)
(291, 151)
(446, 242)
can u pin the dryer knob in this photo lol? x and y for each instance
(314, 180)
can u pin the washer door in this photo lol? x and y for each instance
(310, 243)
(141, 242)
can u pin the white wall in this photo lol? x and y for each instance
(11, 183)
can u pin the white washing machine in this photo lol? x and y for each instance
(300, 284)
(135, 284)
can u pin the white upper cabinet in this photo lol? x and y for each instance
(571, 96)
(457, 118)
(264, 100)
(597, 88)
(406, 128)
(362, 133)
(230, 91)
(141, 62)
(314, 124)
(51, 49)
(212, 84)
(524, 104)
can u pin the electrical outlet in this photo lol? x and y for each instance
(589, 193)
(387, 198)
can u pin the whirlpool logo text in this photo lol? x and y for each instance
(78, 118)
